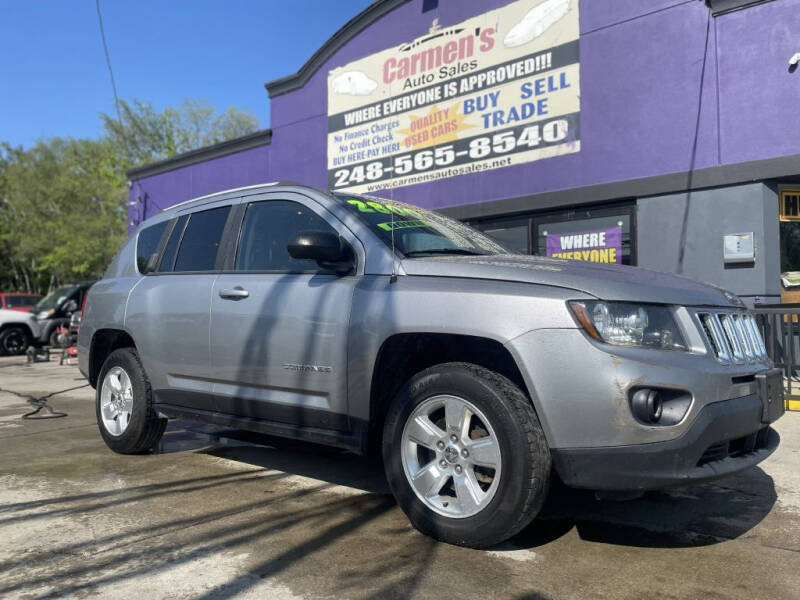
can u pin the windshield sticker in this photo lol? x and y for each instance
(373, 207)
(390, 225)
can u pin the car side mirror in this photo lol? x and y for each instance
(328, 249)
(70, 306)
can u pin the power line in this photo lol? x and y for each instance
(108, 62)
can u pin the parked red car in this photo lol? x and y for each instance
(19, 301)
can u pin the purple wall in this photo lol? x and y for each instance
(759, 97)
(648, 69)
(151, 194)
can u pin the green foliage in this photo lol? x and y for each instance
(63, 202)
(144, 135)
(62, 214)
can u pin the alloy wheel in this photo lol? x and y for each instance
(451, 456)
(116, 401)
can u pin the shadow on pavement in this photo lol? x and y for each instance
(332, 465)
(170, 525)
(355, 538)
(693, 516)
(684, 517)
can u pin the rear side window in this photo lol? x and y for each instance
(147, 244)
(268, 226)
(171, 249)
(201, 239)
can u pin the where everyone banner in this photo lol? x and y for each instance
(603, 246)
(496, 90)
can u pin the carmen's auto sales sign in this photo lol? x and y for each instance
(496, 90)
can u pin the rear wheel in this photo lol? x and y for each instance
(465, 455)
(14, 340)
(124, 405)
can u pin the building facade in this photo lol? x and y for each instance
(656, 133)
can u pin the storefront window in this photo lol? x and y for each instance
(509, 233)
(601, 234)
(790, 244)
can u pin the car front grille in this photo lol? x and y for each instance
(733, 336)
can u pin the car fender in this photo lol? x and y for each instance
(499, 311)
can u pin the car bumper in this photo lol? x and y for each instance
(725, 438)
(583, 391)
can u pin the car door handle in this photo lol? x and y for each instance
(236, 293)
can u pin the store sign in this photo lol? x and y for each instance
(603, 246)
(496, 90)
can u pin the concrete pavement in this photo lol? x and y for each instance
(218, 514)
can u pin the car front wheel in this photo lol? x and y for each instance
(465, 455)
(14, 341)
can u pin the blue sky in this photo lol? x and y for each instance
(54, 80)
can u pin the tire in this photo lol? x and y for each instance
(519, 481)
(132, 404)
(55, 341)
(14, 341)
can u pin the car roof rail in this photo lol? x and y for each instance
(238, 189)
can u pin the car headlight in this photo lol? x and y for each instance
(626, 324)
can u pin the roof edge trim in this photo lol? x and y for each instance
(721, 7)
(245, 142)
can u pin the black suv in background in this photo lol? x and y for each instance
(55, 310)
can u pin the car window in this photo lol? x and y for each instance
(18, 301)
(55, 298)
(266, 231)
(147, 244)
(168, 255)
(198, 249)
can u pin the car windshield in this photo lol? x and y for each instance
(419, 232)
(55, 298)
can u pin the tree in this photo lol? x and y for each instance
(143, 135)
(62, 214)
(63, 203)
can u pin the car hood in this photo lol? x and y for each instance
(604, 281)
(14, 316)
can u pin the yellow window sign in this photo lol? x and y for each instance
(790, 205)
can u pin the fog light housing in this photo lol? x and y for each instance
(659, 406)
(647, 406)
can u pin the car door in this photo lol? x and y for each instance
(279, 325)
(168, 312)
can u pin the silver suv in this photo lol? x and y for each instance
(481, 375)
